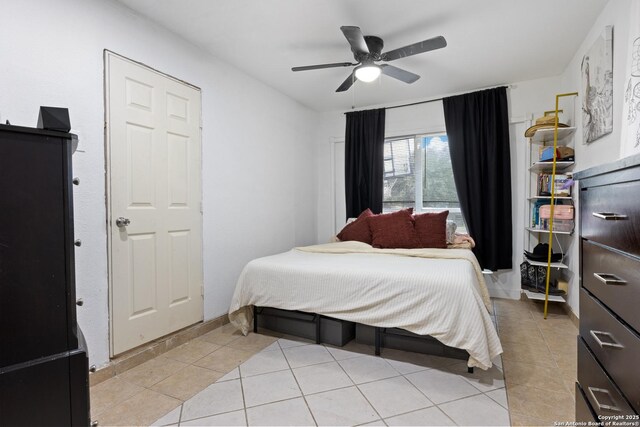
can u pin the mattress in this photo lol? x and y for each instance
(436, 292)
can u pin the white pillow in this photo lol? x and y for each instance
(451, 231)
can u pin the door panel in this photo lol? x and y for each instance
(155, 182)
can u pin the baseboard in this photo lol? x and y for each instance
(498, 292)
(571, 314)
(148, 351)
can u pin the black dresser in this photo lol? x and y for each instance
(43, 355)
(608, 386)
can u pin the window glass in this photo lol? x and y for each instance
(418, 174)
(399, 177)
(438, 187)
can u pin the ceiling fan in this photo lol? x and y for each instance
(367, 50)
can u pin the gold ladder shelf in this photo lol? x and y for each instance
(553, 192)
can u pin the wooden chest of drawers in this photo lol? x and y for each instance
(609, 342)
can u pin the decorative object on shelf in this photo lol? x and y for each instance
(54, 118)
(547, 121)
(562, 188)
(533, 279)
(540, 253)
(542, 136)
(597, 87)
(563, 154)
(562, 218)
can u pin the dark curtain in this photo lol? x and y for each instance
(364, 161)
(478, 130)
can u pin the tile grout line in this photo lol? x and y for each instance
(505, 393)
(553, 356)
(417, 410)
(207, 416)
(478, 391)
(313, 417)
(244, 401)
(356, 385)
(504, 371)
(239, 378)
(437, 405)
(544, 338)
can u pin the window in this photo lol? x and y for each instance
(418, 174)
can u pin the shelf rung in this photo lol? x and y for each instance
(540, 296)
(544, 263)
(537, 230)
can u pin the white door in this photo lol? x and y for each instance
(154, 180)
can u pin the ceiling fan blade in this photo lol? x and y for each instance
(416, 48)
(320, 66)
(356, 39)
(399, 73)
(347, 83)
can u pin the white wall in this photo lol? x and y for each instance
(258, 170)
(610, 147)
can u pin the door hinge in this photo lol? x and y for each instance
(202, 290)
(201, 208)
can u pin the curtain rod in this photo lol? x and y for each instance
(435, 99)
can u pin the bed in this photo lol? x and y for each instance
(436, 292)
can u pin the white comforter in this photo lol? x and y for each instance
(437, 292)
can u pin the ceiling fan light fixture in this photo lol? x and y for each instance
(368, 72)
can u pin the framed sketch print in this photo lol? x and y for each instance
(631, 114)
(597, 88)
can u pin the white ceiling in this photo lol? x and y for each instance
(490, 42)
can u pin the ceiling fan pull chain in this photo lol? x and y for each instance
(353, 92)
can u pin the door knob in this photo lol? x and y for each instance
(122, 222)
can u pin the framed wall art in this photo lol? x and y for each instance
(597, 88)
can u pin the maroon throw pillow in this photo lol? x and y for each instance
(431, 229)
(358, 229)
(394, 230)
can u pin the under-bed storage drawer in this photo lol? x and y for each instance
(332, 331)
(404, 340)
(601, 392)
(615, 346)
(610, 215)
(614, 279)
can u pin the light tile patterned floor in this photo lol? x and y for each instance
(223, 378)
(299, 383)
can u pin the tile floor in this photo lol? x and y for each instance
(540, 361)
(223, 378)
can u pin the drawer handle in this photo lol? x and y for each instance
(603, 344)
(609, 279)
(592, 391)
(608, 216)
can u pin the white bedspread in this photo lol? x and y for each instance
(437, 292)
